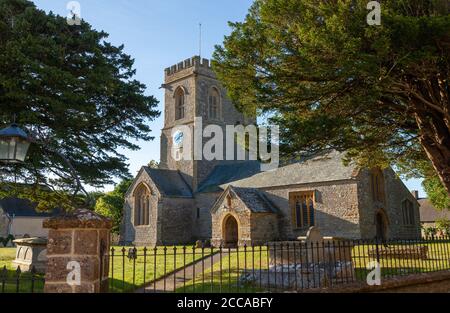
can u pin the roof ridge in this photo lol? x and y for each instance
(185, 182)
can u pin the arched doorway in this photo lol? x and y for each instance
(231, 231)
(381, 226)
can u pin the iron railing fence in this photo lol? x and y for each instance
(274, 267)
(18, 281)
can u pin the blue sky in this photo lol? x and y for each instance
(158, 34)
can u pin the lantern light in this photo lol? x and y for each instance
(14, 144)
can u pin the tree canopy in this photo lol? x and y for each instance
(330, 80)
(75, 93)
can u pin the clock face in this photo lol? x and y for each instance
(178, 138)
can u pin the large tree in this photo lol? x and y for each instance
(332, 81)
(75, 93)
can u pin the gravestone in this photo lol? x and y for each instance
(31, 252)
(316, 250)
(313, 235)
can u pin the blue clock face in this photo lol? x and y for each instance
(178, 138)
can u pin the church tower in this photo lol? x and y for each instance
(192, 91)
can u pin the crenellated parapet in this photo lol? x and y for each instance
(194, 62)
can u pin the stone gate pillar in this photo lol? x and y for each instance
(76, 249)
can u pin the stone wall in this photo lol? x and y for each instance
(202, 229)
(396, 192)
(175, 221)
(336, 209)
(77, 251)
(264, 228)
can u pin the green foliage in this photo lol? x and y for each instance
(436, 193)
(76, 93)
(443, 225)
(331, 81)
(111, 204)
(430, 231)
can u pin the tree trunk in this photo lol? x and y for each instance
(435, 140)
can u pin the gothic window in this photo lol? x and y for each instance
(179, 104)
(377, 185)
(302, 207)
(214, 104)
(142, 206)
(408, 212)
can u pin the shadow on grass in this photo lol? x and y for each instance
(26, 282)
(224, 281)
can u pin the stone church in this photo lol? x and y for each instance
(234, 203)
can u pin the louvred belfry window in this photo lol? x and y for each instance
(179, 104)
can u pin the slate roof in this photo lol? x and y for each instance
(223, 174)
(255, 200)
(169, 182)
(22, 208)
(324, 168)
(428, 213)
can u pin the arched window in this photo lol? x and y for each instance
(179, 104)
(142, 205)
(408, 212)
(377, 185)
(214, 104)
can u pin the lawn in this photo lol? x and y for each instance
(127, 274)
(224, 276)
(438, 259)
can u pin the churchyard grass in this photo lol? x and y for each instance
(224, 276)
(127, 274)
(438, 258)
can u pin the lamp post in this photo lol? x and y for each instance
(14, 144)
